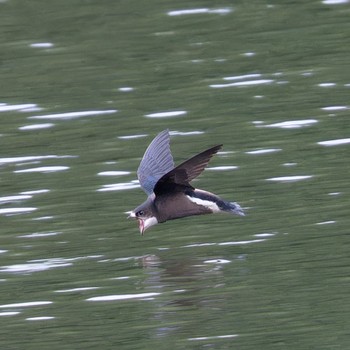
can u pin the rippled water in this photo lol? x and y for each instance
(86, 86)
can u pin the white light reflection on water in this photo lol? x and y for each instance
(9, 313)
(326, 222)
(43, 218)
(130, 137)
(242, 242)
(22, 107)
(292, 124)
(196, 245)
(223, 168)
(334, 142)
(31, 158)
(142, 296)
(26, 304)
(44, 264)
(219, 11)
(334, 108)
(249, 54)
(225, 153)
(43, 169)
(264, 151)
(120, 186)
(36, 126)
(14, 198)
(42, 45)
(244, 76)
(40, 234)
(113, 173)
(76, 290)
(169, 114)
(13, 211)
(334, 2)
(183, 133)
(265, 234)
(73, 115)
(35, 266)
(217, 261)
(214, 337)
(40, 318)
(290, 178)
(126, 89)
(44, 190)
(243, 83)
(327, 84)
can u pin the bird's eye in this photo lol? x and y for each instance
(140, 213)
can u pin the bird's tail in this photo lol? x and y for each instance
(235, 208)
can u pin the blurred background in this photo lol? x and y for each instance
(86, 85)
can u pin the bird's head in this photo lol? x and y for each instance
(144, 213)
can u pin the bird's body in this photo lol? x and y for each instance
(170, 194)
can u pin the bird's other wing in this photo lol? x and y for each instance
(183, 174)
(156, 162)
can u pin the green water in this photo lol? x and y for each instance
(75, 273)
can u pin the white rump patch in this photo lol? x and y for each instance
(204, 203)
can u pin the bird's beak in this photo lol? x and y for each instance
(131, 215)
(141, 222)
(141, 226)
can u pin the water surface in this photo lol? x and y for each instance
(85, 86)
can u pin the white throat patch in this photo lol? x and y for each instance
(149, 222)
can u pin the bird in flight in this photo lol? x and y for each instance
(170, 194)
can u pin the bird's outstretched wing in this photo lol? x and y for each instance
(156, 162)
(183, 174)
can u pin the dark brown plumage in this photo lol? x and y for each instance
(170, 194)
